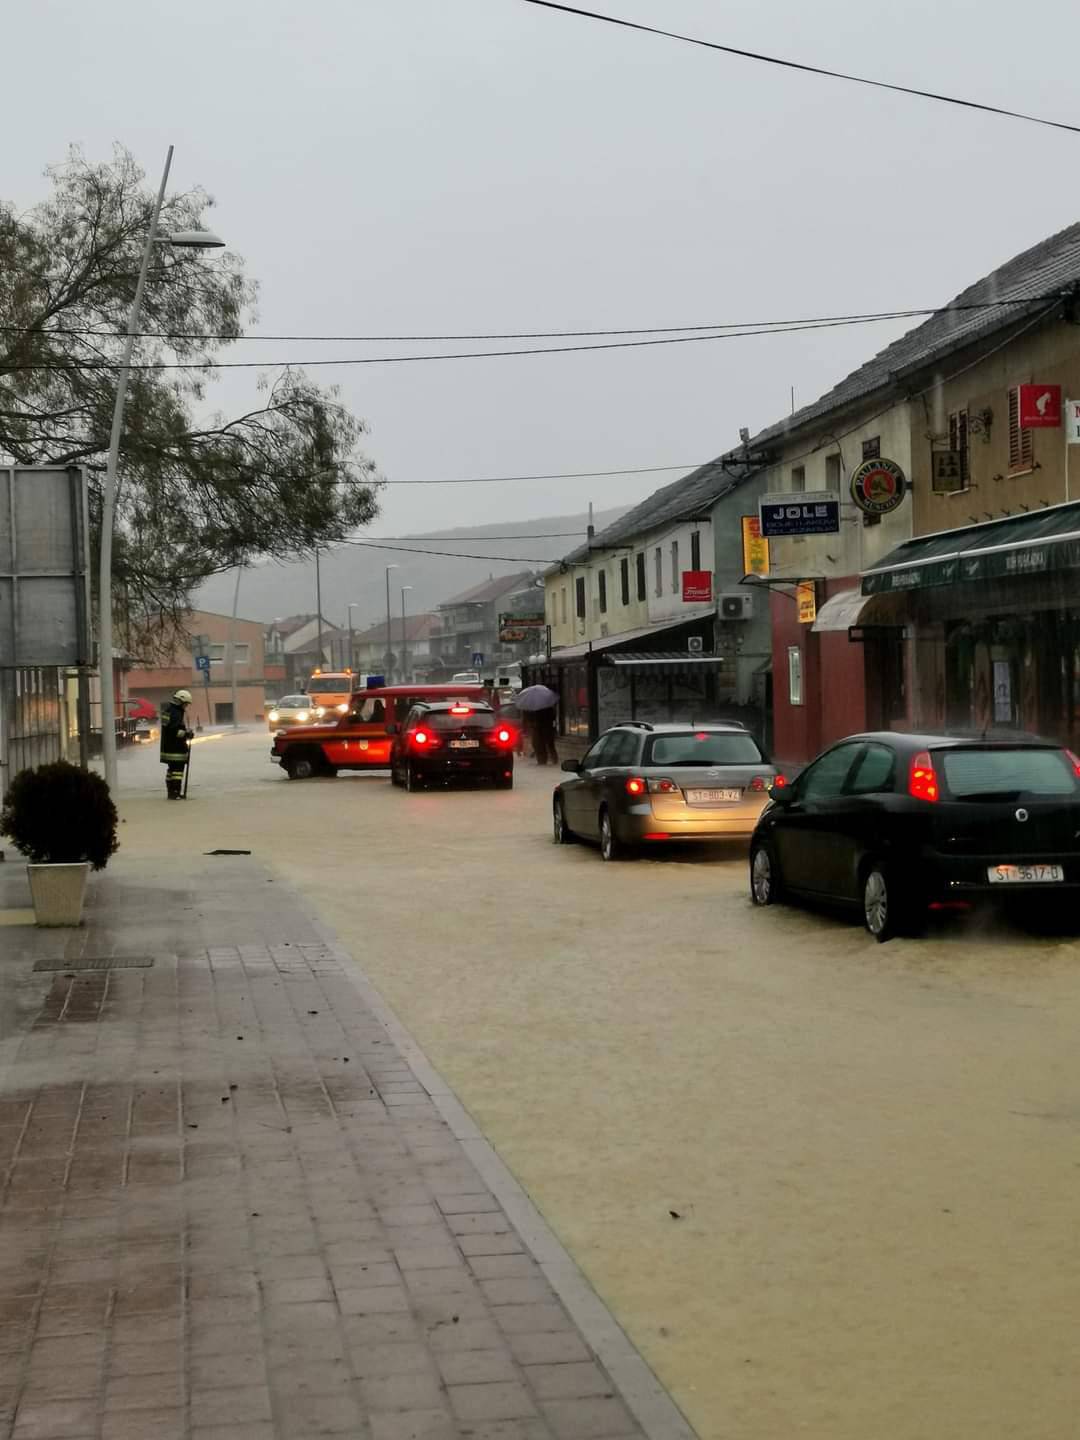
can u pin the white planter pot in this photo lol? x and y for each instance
(59, 892)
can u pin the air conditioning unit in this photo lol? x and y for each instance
(736, 607)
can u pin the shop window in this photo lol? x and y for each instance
(601, 590)
(659, 558)
(642, 588)
(794, 675)
(1021, 449)
(624, 581)
(674, 567)
(579, 596)
(798, 477)
(958, 441)
(695, 550)
(832, 472)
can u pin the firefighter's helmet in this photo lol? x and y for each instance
(184, 696)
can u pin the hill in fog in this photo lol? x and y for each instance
(357, 572)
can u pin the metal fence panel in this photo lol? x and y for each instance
(31, 720)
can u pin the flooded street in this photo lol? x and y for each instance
(828, 1187)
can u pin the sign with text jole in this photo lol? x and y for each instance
(755, 548)
(1039, 407)
(697, 587)
(811, 512)
(1072, 422)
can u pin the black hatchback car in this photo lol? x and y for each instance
(452, 740)
(898, 825)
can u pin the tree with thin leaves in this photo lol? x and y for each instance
(197, 492)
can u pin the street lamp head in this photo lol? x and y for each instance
(192, 240)
(393, 566)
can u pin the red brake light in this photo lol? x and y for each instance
(779, 781)
(634, 786)
(663, 787)
(922, 779)
(421, 737)
(504, 737)
(460, 709)
(759, 783)
(1074, 762)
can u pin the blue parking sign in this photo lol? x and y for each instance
(202, 664)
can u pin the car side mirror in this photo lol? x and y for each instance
(782, 795)
(572, 767)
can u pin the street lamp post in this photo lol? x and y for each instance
(187, 239)
(404, 639)
(353, 605)
(232, 644)
(389, 650)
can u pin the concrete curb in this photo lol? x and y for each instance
(647, 1400)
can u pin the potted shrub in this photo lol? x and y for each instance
(64, 822)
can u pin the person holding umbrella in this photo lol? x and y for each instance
(538, 703)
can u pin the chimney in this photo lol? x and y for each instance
(591, 531)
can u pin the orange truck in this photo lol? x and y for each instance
(329, 691)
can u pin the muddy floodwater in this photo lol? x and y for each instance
(831, 1189)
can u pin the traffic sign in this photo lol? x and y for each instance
(202, 664)
(477, 657)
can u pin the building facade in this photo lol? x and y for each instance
(467, 635)
(213, 703)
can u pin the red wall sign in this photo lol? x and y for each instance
(697, 585)
(1040, 407)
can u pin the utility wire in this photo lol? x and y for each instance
(757, 326)
(206, 365)
(530, 560)
(809, 69)
(557, 475)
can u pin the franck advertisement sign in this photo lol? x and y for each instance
(813, 512)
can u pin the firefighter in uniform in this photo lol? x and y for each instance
(175, 742)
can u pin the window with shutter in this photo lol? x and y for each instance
(695, 550)
(601, 582)
(1021, 450)
(624, 581)
(641, 592)
(958, 441)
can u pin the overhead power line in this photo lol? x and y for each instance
(530, 560)
(557, 475)
(809, 69)
(73, 366)
(756, 326)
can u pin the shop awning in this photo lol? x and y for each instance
(607, 642)
(663, 657)
(842, 611)
(1033, 544)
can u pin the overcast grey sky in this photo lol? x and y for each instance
(431, 166)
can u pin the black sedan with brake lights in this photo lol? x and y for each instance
(896, 826)
(452, 740)
(646, 784)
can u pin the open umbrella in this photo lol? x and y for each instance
(536, 697)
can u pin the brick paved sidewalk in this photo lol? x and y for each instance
(231, 1212)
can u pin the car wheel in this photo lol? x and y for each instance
(412, 780)
(561, 833)
(879, 903)
(300, 767)
(611, 847)
(764, 877)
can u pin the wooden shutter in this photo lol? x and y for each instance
(958, 441)
(1021, 449)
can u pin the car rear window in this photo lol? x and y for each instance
(1002, 771)
(474, 720)
(703, 747)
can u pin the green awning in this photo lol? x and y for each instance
(1035, 544)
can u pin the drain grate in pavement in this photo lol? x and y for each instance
(98, 962)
